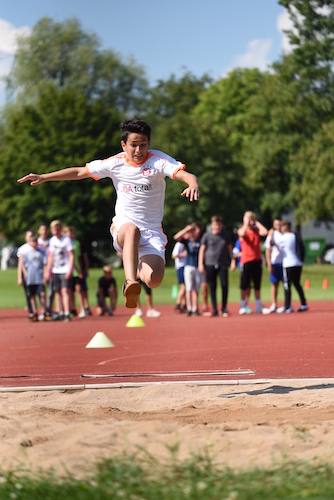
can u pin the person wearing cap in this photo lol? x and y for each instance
(106, 289)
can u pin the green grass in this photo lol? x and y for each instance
(198, 478)
(12, 296)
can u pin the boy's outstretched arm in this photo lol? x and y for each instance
(192, 191)
(66, 174)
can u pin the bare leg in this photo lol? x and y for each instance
(152, 270)
(128, 238)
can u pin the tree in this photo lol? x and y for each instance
(64, 54)
(60, 128)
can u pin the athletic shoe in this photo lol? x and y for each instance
(188, 312)
(41, 317)
(74, 312)
(139, 312)
(272, 308)
(206, 312)
(131, 290)
(33, 318)
(242, 310)
(47, 317)
(302, 308)
(266, 310)
(88, 312)
(66, 318)
(196, 312)
(248, 310)
(282, 309)
(110, 311)
(82, 314)
(152, 313)
(177, 309)
(259, 309)
(225, 313)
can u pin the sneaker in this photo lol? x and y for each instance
(259, 309)
(206, 312)
(139, 312)
(152, 313)
(88, 312)
(196, 312)
(266, 310)
(188, 312)
(66, 318)
(273, 308)
(302, 308)
(280, 310)
(82, 314)
(110, 311)
(47, 317)
(177, 309)
(225, 313)
(131, 290)
(289, 310)
(242, 310)
(41, 317)
(248, 310)
(184, 309)
(74, 312)
(33, 318)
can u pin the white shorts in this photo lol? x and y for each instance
(191, 278)
(152, 241)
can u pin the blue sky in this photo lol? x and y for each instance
(164, 36)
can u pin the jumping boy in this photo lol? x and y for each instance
(138, 175)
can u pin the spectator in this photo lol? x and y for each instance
(33, 264)
(107, 289)
(179, 255)
(274, 259)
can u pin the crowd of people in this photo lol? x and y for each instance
(200, 259)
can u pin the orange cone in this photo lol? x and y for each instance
(307, 284)
(325, 284)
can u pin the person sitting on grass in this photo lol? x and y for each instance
(138, 175)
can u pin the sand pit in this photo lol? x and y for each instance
(243, 425)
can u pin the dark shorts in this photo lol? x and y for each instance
(277, 273)
(251, 272)
(59, 281)
(35, 289)
(180, 275)
(76, 281)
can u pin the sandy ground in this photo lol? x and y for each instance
(242, 425)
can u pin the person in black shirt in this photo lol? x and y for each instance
(106, 289)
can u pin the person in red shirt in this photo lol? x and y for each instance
(250, 234)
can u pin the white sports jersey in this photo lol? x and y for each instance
(287, 243)
(276, 255)
(60, 248)
(140, 188)
(43, 244)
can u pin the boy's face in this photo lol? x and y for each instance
(216, 227)
(33, 243)
(136, 147)
(43, 231)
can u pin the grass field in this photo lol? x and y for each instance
(12, 296)
(198, 478)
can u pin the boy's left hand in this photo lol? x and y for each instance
(192, 193)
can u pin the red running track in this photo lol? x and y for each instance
(170, 348)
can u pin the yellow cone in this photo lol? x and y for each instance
(100, 340)
(135, 321)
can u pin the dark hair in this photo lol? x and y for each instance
(134, 126)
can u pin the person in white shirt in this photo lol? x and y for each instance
(179, 254)
(292, 267)
(138, 175)
(22, 250)
(274, 259)
(60, 265)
